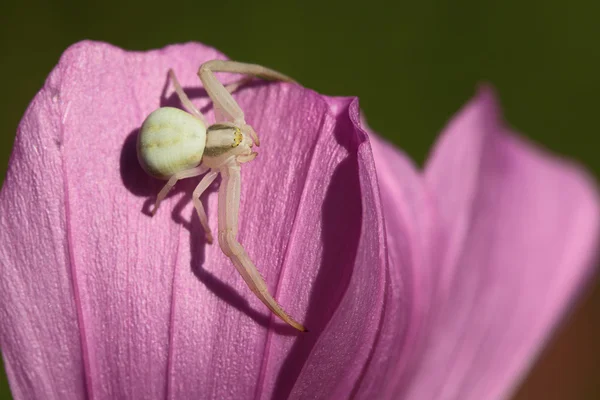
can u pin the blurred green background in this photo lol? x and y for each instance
(413, 64)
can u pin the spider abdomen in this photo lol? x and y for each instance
(170, 140)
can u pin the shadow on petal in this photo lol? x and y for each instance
(342, 223)
(134, 178)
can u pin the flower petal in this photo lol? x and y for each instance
(39, 333)
(141, 306)
(352, 271)
(413, 241)
(523, 229)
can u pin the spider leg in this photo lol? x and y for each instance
(189, 106)
(232, 87)
(246, 158)
(185, 100)
(229, 201)
(202, 186)
(188, 173)
(254, 70)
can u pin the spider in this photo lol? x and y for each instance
(174, 144)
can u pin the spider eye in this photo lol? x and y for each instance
(237, 138)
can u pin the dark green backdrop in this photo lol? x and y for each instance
(413, 64)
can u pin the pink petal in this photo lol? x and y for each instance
(413, 240)
(98, 298)
(39, 333)
(352, 271)
(523, 229)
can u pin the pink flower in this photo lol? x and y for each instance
(441, 284)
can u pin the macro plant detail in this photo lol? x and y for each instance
(440, 282)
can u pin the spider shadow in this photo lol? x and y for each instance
(139, 183)
(341, 216)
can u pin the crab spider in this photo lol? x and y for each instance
(174, 144)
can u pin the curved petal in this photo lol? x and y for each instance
(413, 241)
(524, 229)
(354, 271)
(99, 299)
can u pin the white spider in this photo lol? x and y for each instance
(174, 144)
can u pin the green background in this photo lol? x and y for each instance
(413, 64)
